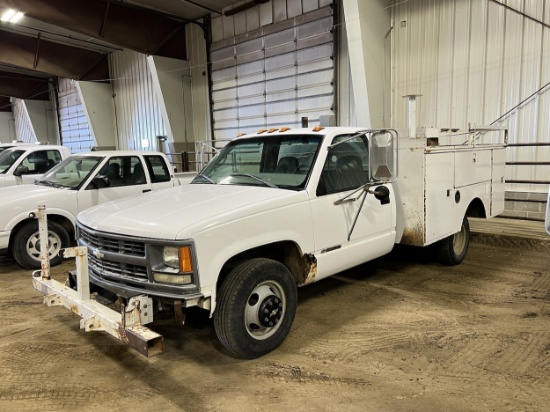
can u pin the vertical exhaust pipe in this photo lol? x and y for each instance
(412, 114)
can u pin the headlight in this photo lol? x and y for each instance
(174, 279)
(178, 258)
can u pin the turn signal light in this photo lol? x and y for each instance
(186, 265)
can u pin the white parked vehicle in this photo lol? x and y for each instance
(22, 163)
(79, 182)
(281, 209)
(14, 143)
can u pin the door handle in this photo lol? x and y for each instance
(146, 190)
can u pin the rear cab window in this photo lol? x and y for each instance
(157, 168)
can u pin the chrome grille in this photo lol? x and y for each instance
(122, 246)
(106, 267)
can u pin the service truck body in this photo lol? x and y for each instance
(277, 210)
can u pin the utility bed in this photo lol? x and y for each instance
(440, 172)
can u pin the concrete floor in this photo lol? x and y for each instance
(402, 333)
(525, 229)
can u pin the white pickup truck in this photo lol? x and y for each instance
(22, 163)
(281, 209)
(77, 183)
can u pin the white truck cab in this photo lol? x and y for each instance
(4, 146)
(79, 182)
(23, 163)
(284, 208)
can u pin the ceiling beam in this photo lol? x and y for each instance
(52, 58)
(5, 104)
(131, 27)
(23, 86)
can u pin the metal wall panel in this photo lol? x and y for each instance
(474, 61)
(75, 129)
(274, 74)
(139, 119)
(23, 128)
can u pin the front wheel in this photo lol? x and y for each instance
(255, 308)
(26, 244)
(452, 250)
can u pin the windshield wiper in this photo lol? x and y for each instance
(205, 178)
(50, 184)
(259, 179)
(44, 183)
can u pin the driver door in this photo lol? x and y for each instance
(124, 176)
(337, 246)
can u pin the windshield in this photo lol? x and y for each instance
(71, 172)
(271, 161)
(8, 158)
(2, 148)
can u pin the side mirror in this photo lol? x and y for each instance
(383, 155)
(382, 193)
(99, 182)
(21, 170)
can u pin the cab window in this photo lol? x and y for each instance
(41, 161)
(123, 171)
(157, 169)
(346, 166)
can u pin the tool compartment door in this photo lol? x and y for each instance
(439, 196)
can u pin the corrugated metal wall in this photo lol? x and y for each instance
(139, 119)
(476, 61)
(271, 66)
(23, 128)
(75, 129)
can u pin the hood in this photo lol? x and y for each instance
(180, 212)
(27, 198)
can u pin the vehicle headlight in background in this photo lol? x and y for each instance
(178, 258)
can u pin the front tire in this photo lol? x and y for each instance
(26, 244)
(255, 308)
(452, 250)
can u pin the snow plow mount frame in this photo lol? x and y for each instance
(126, 325)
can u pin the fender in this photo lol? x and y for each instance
(18, 218)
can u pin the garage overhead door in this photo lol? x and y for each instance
(75, 129)
(274, 76)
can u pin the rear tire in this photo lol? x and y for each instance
(26, 244)
(452, 250)
(255, 308)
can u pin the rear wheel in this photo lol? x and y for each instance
(255, 308)
(452, 250)
(26, 244)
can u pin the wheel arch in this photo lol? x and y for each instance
(63, 221)
(302, 267)
(476, 208)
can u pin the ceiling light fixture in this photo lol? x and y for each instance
(11, 16)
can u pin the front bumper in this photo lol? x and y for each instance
(128, 291)
(126, 325)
